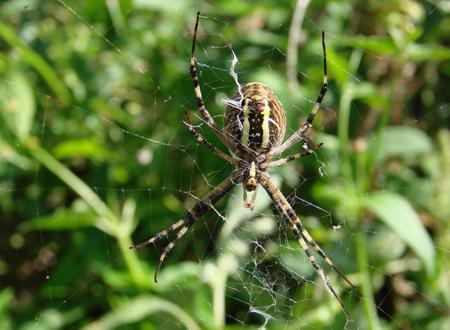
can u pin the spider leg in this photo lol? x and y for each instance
(293, 217)
(319, 250)
(199, 137)
(290, 158)
(297, 135)
(161, 234)
(202, 206)
(198, 93)
(301, 234)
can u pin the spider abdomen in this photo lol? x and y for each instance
(255, 120)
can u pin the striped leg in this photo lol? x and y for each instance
(301, 234)
(296, 136)
(161, 234)
(204, 205)
(318, 249)
(290, 158)
(198, 136)
(198, 93)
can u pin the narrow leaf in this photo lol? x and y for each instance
(138, 309)
(9, 35)
(80, 148)
(17, 104)
(60, 220)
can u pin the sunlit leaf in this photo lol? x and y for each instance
(6, 298)
(398, 214)
(8, 34)
(403, 142)
(80, 148)
(417, 52)
(377, 45)
(139, 308)
(9, 154)
(17, 104)
(177, 274)
(414, 51)
(59, 220)
(54, 318)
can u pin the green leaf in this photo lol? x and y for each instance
(413, 51)
(396, 212)
(403, 142)
(6, 299)
(80, 148)
(17, 104)
(9, 154)
(377, 45)
(418, 52)
(54, 318)
(338, 66)
(60, 220)
(295, 261)
(369, 92)
(178, 274)
(138, 309)
(9, 35)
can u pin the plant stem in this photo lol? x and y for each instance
(219, 302)
(132, 262)
(77, 185)
(108, 221)
(343, 126)
(370, 310)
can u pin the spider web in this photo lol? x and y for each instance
(250, 269)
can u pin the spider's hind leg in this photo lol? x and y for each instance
(321, 253)
(161, 234)
(316, 265)
(202, 206)
(288, 213)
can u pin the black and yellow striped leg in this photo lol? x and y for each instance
(198, 93)
(199, 137)
(301, 234)
(204, 205)
(321, 253)
(297, 135)
(160, 235)
(290, 158)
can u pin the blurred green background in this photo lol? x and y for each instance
(94, 157)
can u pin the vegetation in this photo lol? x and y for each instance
(94, 157)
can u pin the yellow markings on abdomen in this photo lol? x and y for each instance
(265, 125)
(245, 124)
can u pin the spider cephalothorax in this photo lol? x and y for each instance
(254, 128)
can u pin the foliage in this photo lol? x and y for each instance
(94, 157)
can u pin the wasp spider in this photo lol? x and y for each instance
(253, 132)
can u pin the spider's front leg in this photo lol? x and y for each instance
(308, 151)
(198, 92)
(297, 135)
(202, 206)
(199, 137)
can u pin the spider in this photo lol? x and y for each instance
(253, 132)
